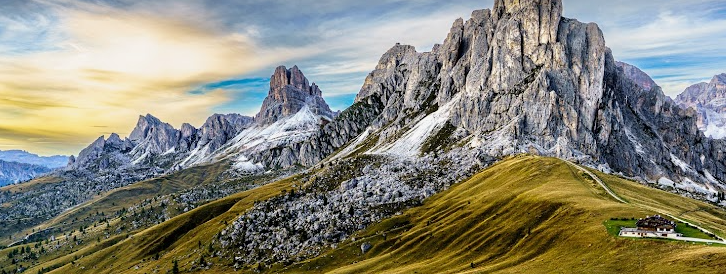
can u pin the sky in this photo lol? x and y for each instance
(73, 70)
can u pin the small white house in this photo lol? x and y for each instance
(652, 227)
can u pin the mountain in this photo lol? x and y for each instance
(292, 111)
(709, 101)
(522, 79)
(21, 156)
(290, 115)
(289, 93)
(226, 149)
(638, 76)
(13, 172)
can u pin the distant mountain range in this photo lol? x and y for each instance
(19, 165)
(291, 113)
(495, 87)
(12, 172)
(21, 156)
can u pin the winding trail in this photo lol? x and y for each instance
(597, 179)
(611, 193)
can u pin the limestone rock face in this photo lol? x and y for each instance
(153, 147)
(709, 102)
(521, 78)
(289, 92)
(293, 111)
(220, 128)
(152, 136)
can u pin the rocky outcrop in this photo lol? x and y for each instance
(220, 128)
(520, 78)
(709, 102)
(291, 115)
(289, 92)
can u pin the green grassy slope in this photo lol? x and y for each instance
(525, 214)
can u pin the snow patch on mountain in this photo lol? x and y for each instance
(716, 128)
(409, 145)
(244, 164)
(354, 145)
(290, 129)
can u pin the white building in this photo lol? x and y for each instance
(653, 227)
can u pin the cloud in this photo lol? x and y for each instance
(113, 65)
(675, 45)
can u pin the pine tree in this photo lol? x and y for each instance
(175, 268)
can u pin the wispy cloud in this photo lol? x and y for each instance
(113, 65)
(678, 43)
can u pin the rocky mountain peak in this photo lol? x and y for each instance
(709, 102)
(638, 76)
(719, 79)
(289, 92)
(146, 126)
(220, 128)
(521, 78)
(540, 18)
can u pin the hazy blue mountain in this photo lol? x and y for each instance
(12, 172)
(21, 156)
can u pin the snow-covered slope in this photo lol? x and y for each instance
(260, 139)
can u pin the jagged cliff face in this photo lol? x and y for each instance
(291, 114)
(520, 78)
(639, 77)
(517, 78)
(153, 148)
(709, 102)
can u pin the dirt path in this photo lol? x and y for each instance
(597, 179)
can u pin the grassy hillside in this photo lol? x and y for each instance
(524, 214)
(174, 240)
(117, 199)
(105, 220)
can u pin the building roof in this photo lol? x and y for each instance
(655, 221)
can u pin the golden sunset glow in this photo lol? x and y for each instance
(111, 68)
